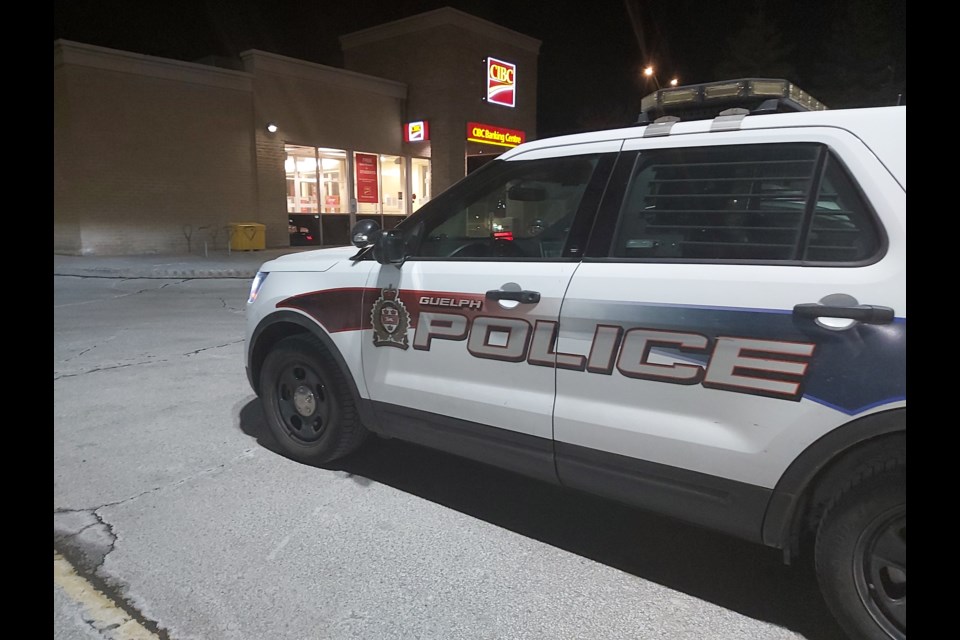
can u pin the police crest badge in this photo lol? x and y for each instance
(390, 320)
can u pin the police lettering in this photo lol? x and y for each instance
(431, 301)
(772, 368)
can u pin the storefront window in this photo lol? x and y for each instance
(333, 180)
(420, 182)
(301, 168)
(319, 191)
(392, 181)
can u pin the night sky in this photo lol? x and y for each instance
(845, 52)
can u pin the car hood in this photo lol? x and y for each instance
(317, 260)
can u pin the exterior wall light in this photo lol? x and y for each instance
(272, 127)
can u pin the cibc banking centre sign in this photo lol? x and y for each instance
(491, 134)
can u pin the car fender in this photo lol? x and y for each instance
(787, 506)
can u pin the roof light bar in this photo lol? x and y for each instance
(706, 100)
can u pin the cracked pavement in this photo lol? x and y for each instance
(84, 536)
(170, 498)
(130, 333)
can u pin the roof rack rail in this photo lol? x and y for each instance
(705, 101)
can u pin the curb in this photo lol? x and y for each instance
(239, 265)
(156, 274)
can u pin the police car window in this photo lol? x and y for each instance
(739, 202)
(520, 209)
(745, 203)
(843, 227)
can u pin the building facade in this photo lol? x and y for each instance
(153, 155)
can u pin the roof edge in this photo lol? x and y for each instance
(255, 60)
(68, 52)
(443, 17)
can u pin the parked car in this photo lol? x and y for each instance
(304, 230)
(708, 322)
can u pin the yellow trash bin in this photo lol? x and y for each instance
(248, 236)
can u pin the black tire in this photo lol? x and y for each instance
(861, 551)
(307, 402)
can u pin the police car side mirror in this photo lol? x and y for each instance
(364, 233)
(390, 248)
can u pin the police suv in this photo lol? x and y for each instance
(705, 318)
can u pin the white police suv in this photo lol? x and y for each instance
(702, 318)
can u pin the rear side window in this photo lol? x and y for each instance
(755, 203)
(842, 229)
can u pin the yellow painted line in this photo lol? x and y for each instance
(99, 610)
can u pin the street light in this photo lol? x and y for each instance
(673, 82)
(648, 71)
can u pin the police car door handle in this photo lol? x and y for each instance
(867, 313)
(525, 297)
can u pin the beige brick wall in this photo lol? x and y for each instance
(66, 220)
(312, 112)
(142, 161)
(314, 105)
(271, 188)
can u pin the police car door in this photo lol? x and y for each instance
(698, 364)
(460, 353)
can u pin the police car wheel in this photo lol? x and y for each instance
(861, 553)
(307, 403)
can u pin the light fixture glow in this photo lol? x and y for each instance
(272, 127)
(650, 72)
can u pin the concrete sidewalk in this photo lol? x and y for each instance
(216, 264)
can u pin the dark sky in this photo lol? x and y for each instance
(591, 54)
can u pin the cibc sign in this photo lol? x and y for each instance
(501, 82)
(418, 131)
(490, 134)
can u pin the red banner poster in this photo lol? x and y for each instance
(367, 177)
